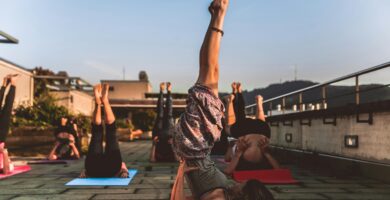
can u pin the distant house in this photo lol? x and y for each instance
(25, 84)
(71, 92)
(129, 95)
(77, 102)
(128, 89)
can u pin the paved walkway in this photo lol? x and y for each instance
(155, 180)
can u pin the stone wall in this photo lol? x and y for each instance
(374, 139)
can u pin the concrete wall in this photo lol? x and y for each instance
(374, 140)
(77, 102)
(128, 90)
(24, 85)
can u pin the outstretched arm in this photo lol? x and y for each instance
(52, 155)
(241, 147)
(272, 161)
(209, 52)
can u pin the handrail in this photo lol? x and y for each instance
(356, 74)
(8, 38)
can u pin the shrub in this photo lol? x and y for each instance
(144, 119)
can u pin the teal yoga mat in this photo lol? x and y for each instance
(103, 181)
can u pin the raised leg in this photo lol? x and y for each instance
(97, 114)
(2, 90)
(230, 112)
(6, 111)
(239, 104)
(109, 115)
(209, 52)
(158, 124)
(96, 144)
(168, 112)
(260, 111)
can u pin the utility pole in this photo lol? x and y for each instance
(124, 73)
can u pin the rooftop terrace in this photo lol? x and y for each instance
(154, 181)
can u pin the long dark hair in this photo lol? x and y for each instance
(255, 190)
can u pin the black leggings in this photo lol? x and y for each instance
(163, 128)
(244, 125)
(239, 107)
(107, 163)
(164, 122)
(5, 111)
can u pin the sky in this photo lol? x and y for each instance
(264, 40)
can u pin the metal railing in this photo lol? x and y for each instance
(278, 105)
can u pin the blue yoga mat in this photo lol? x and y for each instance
(103, 181)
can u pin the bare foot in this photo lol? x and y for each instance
(97, 90)
(5, 81)
(239, 87)
(105, 89)
(13, 78)
(162, 87)
(169, 86)
(218, 6)
(234, 87)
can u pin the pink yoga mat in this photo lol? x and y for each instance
(272, 176)
(17, 170)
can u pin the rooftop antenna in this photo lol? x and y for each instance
(295, 72)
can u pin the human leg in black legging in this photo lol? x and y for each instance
(112, 154)
(164, 150)
(239, 105)
(99, 163)
(95, 151)
(158, 124)
(240, 126)
(5, 111)
(168, 112)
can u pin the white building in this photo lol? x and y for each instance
(25, 84)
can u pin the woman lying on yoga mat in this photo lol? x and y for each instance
(201, 123)
(249, 190)
(108, 163)
(6, 165)
(163, 128)
(251, 150)
(65, 147)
